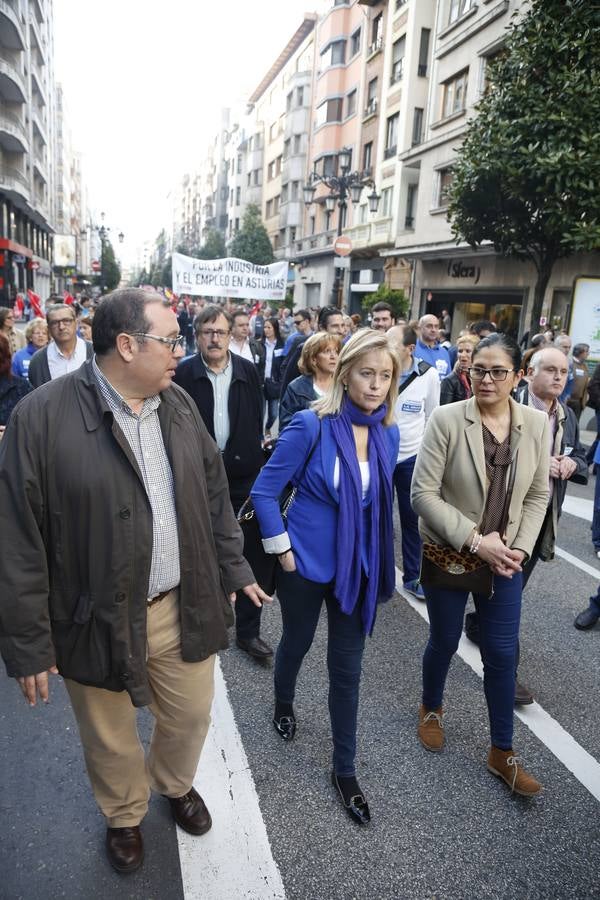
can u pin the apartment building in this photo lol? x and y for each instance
(26, 139)
(470, 284)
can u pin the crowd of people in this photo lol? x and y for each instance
(136, 431)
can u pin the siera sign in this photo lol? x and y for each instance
(342, 245)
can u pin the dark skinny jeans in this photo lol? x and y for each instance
(301, 601)
(499, 618)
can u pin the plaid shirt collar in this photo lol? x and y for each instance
(115, 400)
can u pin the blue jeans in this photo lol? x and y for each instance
(411, 541)
(301, 601)
(272, 412)
(596, 515)
(499, 619)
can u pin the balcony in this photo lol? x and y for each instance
(38, 124)
(390, 152)
(10, 26)
(370, 109)
(38, 8)
(291, 214)
(13, 136)
(313, 244)
(15, 183)
(12, 83)
(397, 71)
(38, 40)
(374, 48)
(37, 85)
(39, 168)
(371, 234)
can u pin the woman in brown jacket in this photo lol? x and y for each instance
(459, 491)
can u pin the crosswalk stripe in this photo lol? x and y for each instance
(234, 859)
(577, 760)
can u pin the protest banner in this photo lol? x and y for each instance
(229, 278)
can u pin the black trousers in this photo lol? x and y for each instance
(247, 615)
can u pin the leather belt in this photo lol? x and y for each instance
(159, 597)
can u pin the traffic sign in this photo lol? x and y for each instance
(342, 245)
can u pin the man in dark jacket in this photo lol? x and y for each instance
(117, 499)
(330, 320)
(65, 352)
(547, 375)
(227, 392)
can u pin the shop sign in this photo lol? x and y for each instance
(457, 269)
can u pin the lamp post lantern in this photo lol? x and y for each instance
(341, 186)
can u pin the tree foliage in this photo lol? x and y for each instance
(527, 176)
(213, 247)
(111, 272)
(396, 298)
(252, 241)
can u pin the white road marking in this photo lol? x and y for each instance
(582, 764)
(577, 506)
(233, 860)
(585, 567)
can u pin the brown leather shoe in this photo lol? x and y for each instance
(190, 812)
(125, 848)
(523, 695)
(431, 729)
(507, 766)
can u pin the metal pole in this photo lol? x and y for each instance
(339, 273)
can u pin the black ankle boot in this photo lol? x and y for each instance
(352, 797)
(284, 720)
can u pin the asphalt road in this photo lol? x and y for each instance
(442, 826)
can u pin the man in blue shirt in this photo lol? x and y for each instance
(428, 346)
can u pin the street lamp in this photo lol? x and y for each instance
(345, 184)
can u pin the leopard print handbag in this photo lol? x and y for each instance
(455, 570)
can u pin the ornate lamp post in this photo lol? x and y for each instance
(341, 186)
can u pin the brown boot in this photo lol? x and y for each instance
(507, 766)
(431, 730)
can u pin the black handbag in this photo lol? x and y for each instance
(460, 570)
(264, 565)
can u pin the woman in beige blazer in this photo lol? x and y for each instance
(458, 492)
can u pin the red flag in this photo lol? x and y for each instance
(67, 298)
(36, 303)
(19, 307)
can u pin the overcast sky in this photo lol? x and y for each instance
(143, 84)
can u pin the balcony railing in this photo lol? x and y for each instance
(320, 241)
(370, 108)
(397, 71)
(14, 24)
(371, 234)
(374, 47)
(15, 181)
(19, 93)
(14, 126)
(390, 151)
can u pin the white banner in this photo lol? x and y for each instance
(584, 326)
(229, 278)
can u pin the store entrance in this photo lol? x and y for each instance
(504, 308)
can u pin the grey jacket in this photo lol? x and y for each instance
(75, 571)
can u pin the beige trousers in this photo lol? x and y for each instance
(120, 775)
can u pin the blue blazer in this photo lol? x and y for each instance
(312, 520)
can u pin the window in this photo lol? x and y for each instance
(334, 54)
(286, 148)
(288, 101)
(237, 224)
(398, 52)
(417, 131)
(300, 96)
(249, 178)
(340, 2)
(329, 111)
(351, 103)
(256, 176)
(391, 136)
(239, 165)
(231, 197)
(271, 171)
(367, 156)
(376, 32)
(423, 52)
(292, 234)
(295, 190)
(273, 132)
(458, 8)
(284, 193)
(329, 165)
(238, 196)
(362, 213)
(269, 209)
(455, 94)
(409, 218)
(355, 43)
(278, 162)
(312, 224)
(444, 181)
(387, 199)
(399, 3)
(371, 97)
(276, 202)
(297, 143)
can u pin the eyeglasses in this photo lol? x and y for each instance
(213, 332)
(54, 323)
(298, 321)
(174, 343)
(496, 374)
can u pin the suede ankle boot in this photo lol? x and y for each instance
(431, 730)
(507, 766)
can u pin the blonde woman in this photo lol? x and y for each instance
(317, 364)
(457, 385)
(36, 335)
(341, 455)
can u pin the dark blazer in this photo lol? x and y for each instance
(39, 371)
(289, 368)
(272, 384)
(243, 456)
(299, 395)
(12, 388)
(452, 389)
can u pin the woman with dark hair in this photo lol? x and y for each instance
(317, 364)
(337, 545)
(462, 493)
(16, 339)
(457, 385)
(12, 387)
(273, 344)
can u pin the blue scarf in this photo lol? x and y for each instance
(350, 533)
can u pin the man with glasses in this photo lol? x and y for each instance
(547, 375)
(129, 554)
(66, 351)
(227, 392)
(303, 325)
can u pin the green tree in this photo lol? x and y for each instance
(213, 247)
(111, 272)
(527, 176)
(252, 241)
(396, 298)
